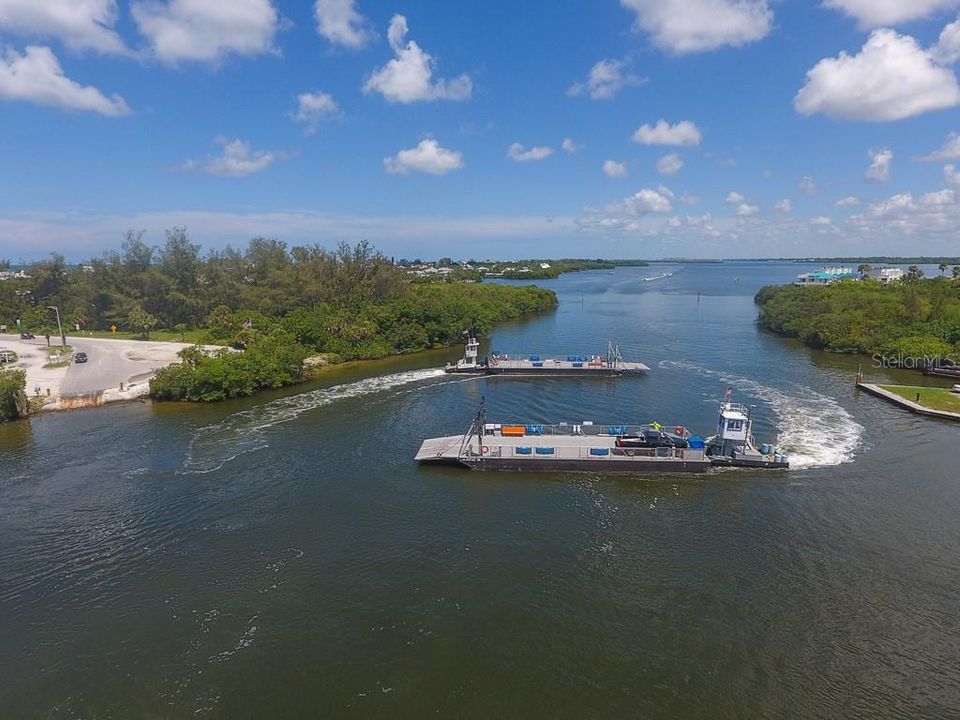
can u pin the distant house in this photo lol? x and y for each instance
(885, 274)
(10, 275)
(825, 276)
(544, 266)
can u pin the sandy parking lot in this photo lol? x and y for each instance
(111, 363)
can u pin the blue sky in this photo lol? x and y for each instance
(710, 128)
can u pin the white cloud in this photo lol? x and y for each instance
(340, 23)
(880, 160)
(934, 216)
(605, 80)
(940, 197)
(670, 164)
(570, 147)
(236, 159)
(687, 26)
(688, 199)
(785, 205)
(36, 77)
(877, 13)
(850, 201)
(81, 24)
(891, 78)
(206, 30)
(947, 49)
(745, 210)
(408, 77)
(645, 201)
(518, 153)
(951, 175)
(808, 185)
(950, 150)
(427, 157)
(734, 198)
(614, 169)
(821, 220)
(684, 133)
(314, 108)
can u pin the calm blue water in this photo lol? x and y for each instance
(284, 557)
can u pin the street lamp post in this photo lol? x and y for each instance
(63, 337)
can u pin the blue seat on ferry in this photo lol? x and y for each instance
(545, 451)
(523, 450)
(599, 451)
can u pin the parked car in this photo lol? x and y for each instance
(26, 336)
(955, 388)
(80, 357)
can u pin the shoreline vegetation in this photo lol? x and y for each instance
(911, 323)
(448, 270)
(278, 313)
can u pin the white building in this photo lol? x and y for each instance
(885, 274)
(826, 276)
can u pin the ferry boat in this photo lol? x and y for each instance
(586, 446)
(610, 363)
(734, 444)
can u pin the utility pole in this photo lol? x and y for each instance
(63, 337)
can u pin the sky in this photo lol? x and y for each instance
(599, 128)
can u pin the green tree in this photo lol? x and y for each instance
(864, 269)
(943, 268)
(13, 399)
(139, 319)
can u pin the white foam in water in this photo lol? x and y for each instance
(661, 276)
(214, 446)
(814, 430)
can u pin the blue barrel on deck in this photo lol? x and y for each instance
(695, 442)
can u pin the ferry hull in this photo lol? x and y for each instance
(491, 371)
(723, 461)
(617, 465)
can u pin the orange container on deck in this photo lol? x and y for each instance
(513, 431)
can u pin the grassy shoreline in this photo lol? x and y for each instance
(931, 398)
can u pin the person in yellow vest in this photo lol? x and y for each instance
(655, 425)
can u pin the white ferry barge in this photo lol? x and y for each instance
(586, 446)
(599, 365)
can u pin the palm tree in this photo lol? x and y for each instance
(864, 269)
(943, 268)
(914, 272)
(956, 272)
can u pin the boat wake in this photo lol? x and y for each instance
(661, 276)
(213, 446)
(814, 430)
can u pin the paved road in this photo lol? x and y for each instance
(112, 362)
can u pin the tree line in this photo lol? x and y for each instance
(915, 318)
(176, 285)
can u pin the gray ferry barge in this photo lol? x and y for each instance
(601, 365)
(586, 446)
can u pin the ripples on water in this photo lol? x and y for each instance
(244, 432)
(286, 558)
